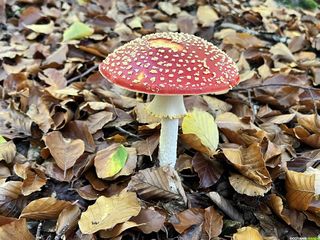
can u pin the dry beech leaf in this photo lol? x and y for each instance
(202, 125)
(290, 216)
(302, 134)
(161, 183)
(149, 220)
(209, 170)
(79, 130)
(300, 189)
(106, 212)
(13, 123)
(230, 121)
(39, 113)
(281, 51)
(143, 116)
(96, 121)
(15, 229)
(33, 179)
(65, 151)
(44, 208)
(10, 193)
(184, 220)
(216, 105)
(109, 161)
(68, 219)
(247, 233)
(206, 15)
(246, 186)
(213, 222)
(117, 230)
(309, 121)
(250, 163)
(7, 151)
(283, 118)
(194, 142)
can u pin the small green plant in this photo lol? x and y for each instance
(306, 4)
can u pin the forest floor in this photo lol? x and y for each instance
(79, 155)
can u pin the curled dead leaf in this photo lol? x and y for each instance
(246, 186)
(250, 163)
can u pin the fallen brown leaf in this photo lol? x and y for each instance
(249, 161)
(44, 208)
(243, 185)
(213, 222)
(161, 183)
(105, 213)
(64, 151)
(209, 170)
(300, 189)
(149, 220)
(184, 220)
(15, 229)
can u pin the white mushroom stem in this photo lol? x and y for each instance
(169, 109)
(168, 141)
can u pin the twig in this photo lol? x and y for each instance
(251, 105)
(264, 35)
(62, 232)
(38, 234)
(120, 129)
(82, 74)
(275, 85)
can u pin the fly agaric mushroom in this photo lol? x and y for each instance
(170, 65)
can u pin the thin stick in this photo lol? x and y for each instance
(38, 234)
(82, 74)
(275, 85)
(120, 129)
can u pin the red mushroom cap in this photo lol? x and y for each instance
(170, 64)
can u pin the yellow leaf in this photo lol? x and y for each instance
(42, 28)
(202, 124)
(206, 15)
(106, 212)
(111, 160)
(247, 233)
(77, 30)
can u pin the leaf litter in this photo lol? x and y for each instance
(79, 155)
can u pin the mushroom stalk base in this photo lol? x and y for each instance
(168, 142)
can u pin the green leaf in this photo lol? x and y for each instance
(77, 30)
(202, 125)
(108, 162)
(2, 140)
